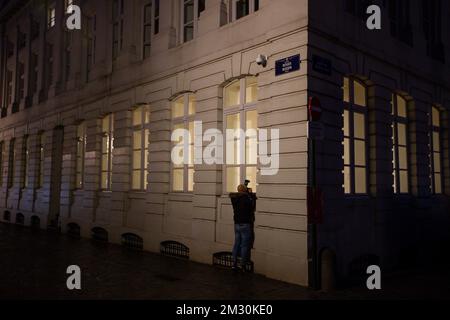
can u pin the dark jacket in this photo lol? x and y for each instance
(244, 208)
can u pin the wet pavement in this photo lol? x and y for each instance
(33, 266)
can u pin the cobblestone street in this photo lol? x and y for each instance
(33, 266)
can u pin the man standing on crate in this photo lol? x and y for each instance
(244, 203)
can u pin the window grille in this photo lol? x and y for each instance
(174, 249)
(225, 260)
(132, 241)
(100, 234)
(73, 230)
(20, 219)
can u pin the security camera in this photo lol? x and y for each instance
(261, 60)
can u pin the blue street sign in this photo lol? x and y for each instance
(287, 65)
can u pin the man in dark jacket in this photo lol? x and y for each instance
(244, 216)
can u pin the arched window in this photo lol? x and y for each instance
(107, 151)
(436, 151)
(141, 132)
(81, 153)
(183, 115)
(241, 124)
(355, 137)
(400, 144)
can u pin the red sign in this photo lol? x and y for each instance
(315, 109)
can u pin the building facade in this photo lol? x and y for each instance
(87, 118)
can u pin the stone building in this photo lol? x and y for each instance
(87, 117)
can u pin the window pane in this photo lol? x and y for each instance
(136, 160)
(360, 153)
(346, 123)
(347, 181)
(104, 181)
(146, 138)
(346, 151)
(251, 119)
(147, 13)
(233, 123)
(401, 107)
(192, 104)
(137, 140)
(394, 175)
(188, 33)
(232, 94)
(436, 117)
(177, 179)
(360, 94)
(437, 162)
(251, 150)
(233, 178)
(360, 125)
(402, 134)
(251, 175)
(346, 89)
(188, 11)
(437, 183)
(191, 180)
(242, 8)
(178, 108)
(251, 92)
(136, 184)
(403, 158)
(105, 124)
(104, 162)
(436, 142)
(360, 180)
(404, 183)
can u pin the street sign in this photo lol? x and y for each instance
(316, 130)
(287, 65)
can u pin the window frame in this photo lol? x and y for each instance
(11, 163)
(25, 162)
(396, 121)
(143, 129)
(440, 131)
(107, 134)
(2, 153)
(118, 9)
(185, 120)
(353, 108)
(242, 109)
(146, 24)
(252, 8)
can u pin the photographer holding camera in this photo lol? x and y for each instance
(244, 206)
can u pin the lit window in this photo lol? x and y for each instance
(141, 132)
(81, 153)
(51, 15)
(41, 159)
(355, 137)
(183, 114)
(25, 161)
(107, 151)
(240, 115)
(436, 151)
(400, 150)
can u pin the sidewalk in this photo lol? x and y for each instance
(33, 266)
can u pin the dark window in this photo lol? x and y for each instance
(20, 82)
(118, 11)
(20, 219)
(174, 249)
(132, 241)
(35, 222)
(49, 65)
(73, 230)
(11, 163)
(9, 49)
(22, 39)
(100, 234)
(358, 8)
(188, 20)
(34, 30)
(9, 87)
(201, 6)
(34, 67)
(399, 15)
(7, 216)
(156, 16)
(242, 8)
(432, 26)
(147, 37)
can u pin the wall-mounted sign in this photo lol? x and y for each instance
(322, 65)
(287, 65)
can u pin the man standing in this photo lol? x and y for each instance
(243, 204)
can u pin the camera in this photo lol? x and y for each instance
(261, 60)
